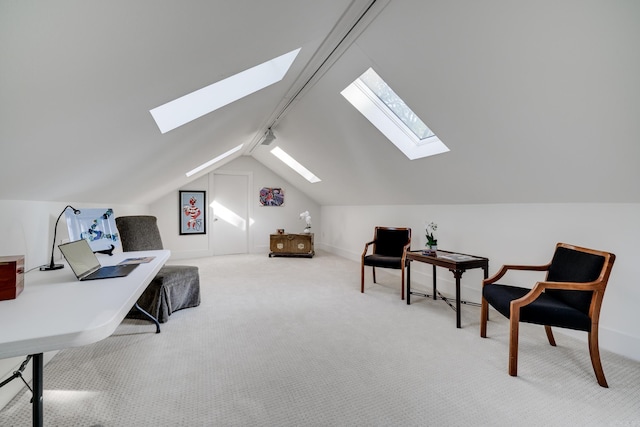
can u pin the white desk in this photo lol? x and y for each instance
(56, 311)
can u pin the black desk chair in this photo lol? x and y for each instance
(570, 297)
(389, 251)
(175, 286)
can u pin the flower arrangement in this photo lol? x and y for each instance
(431, 238)
(307, 218)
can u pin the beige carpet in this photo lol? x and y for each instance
(292, 342)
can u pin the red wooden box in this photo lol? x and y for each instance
(11, 276)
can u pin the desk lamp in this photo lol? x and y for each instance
(51, 265)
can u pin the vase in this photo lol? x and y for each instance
(431, 249)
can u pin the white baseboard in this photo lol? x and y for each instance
(338, 251)
(189, 255)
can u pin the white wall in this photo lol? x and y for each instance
(265, 219)
(511, 234)
(26, 228)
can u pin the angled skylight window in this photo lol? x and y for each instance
(214, 160)
(370, 95)
(293, 164)
(203, 101)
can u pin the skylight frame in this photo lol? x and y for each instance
(400, 109)
(387, 122)
(295, 165)
(196, 104)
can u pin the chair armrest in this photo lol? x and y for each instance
(366, 248)
(405, 249)
(505, 268)
(540, 287)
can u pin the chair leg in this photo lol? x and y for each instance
(594, 352)
(402, 285)
(513, 341)
(374, 274)
(362, 278)
(547, 329)
(484, 315)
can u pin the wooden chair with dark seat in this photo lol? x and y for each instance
(570, 297)
(175, 286)
(389, 251)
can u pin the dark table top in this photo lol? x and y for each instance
(455, 260)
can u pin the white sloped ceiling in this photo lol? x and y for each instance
(538, 101)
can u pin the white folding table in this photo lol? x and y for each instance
(56, 311)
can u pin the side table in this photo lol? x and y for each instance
(455, 262)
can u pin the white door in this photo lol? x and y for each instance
(230, 214)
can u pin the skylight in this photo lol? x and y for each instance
(214, 161)
(293, 164)
(203, 101)
(370, 95)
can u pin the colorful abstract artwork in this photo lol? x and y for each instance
(271, 196)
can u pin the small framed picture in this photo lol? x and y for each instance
(271, 196)
(193, 213)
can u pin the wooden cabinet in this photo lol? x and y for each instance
(292, 245)
(11, 276)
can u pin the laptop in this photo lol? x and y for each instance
(85, 264)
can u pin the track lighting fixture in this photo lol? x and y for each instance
(268, 137)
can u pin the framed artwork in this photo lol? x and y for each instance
(193, 213)
(97, 226)
(271, 196)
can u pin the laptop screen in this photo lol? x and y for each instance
(80, 257)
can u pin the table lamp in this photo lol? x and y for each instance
(51, 265)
